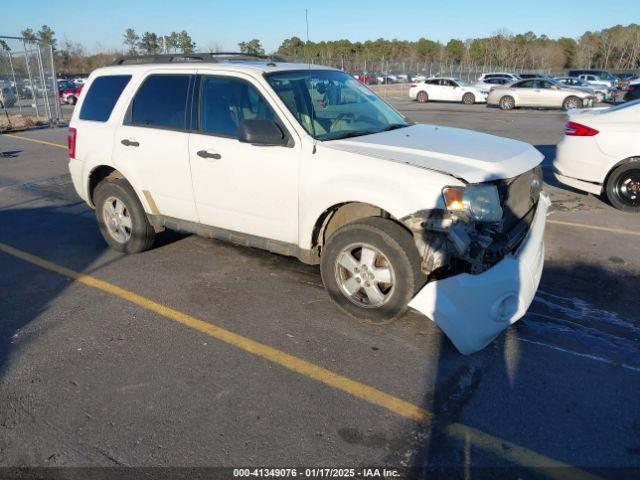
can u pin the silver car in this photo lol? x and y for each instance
(601, 92)
(539, 92)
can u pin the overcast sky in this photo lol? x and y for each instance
(100, 25)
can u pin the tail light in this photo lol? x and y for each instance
(414, 85)
(491, 89)
(71, 142)
(574, 129)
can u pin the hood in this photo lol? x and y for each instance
(464, 154)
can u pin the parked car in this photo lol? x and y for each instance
(633, 91)
(446, 89)
(601, 92)
(596, 80)
(64, 84)
(510, 77)
(8, 97)
(539, 92)
(70, 95)
(304, 161)
(366, 78)
(486, 85)
(600, 153)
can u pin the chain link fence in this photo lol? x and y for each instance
(28, 85)
(379, 71)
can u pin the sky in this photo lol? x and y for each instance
(99, 25)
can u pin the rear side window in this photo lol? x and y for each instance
(161, 102)
(102, 97)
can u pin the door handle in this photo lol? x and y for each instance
(129, 143)
(205, 154)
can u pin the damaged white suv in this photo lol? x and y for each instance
(307, 162)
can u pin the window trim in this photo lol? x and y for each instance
(127, 120)
(196, 106)
(114, 105)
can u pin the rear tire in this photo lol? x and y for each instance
(468, 99)
(571, 102)
(422, 97)
(371, 269)
(623, 187)
(121, 217)
(507, 103)
(71, 100)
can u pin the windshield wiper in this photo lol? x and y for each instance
(352, 134)
(393, 126)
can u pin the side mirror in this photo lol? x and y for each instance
(261, 132)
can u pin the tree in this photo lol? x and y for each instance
(4, 46)
(29, 36)
(570, 48)
(47, 36)
(292, 47)
(185, 43)
(131, 39)
(252, 47)
(455, 49)
(172, 42)
(149, 43)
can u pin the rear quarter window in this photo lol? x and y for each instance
(102, 96)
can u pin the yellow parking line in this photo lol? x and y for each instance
(503, 448)
(595, 227)
(43, 142)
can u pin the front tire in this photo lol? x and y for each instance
(507, 103)
(72, 100)
(371, 269)
(422, 97)
(121, 217)
(623, 187)
(468, 99)
(571, 102)
(599, 97)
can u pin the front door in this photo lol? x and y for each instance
(238, 186)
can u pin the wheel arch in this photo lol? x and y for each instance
(635, 158)
(341, 214)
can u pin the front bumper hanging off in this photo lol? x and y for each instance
(472, 310)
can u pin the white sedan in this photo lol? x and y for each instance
(446, 89)
(600, 153)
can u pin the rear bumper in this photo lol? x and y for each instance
(595, 188)
(76, 169)
(472, 310)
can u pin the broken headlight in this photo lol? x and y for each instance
(478, 202)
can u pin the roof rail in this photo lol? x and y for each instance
(209, 57)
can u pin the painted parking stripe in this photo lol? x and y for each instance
(35, 140)
(595, 227)
(503, 448)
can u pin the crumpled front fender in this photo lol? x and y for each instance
(472, 310)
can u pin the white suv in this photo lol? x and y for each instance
(308, 162)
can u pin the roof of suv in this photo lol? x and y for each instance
(209, 61)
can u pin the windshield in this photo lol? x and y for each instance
(330, 104)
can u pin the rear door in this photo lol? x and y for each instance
(451, 91)
(238, 186)
(153, 143)
(525, 95)
(434, 89)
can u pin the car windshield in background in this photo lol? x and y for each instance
(330, 104)
(462, 83)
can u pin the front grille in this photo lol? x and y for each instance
(518, 196)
